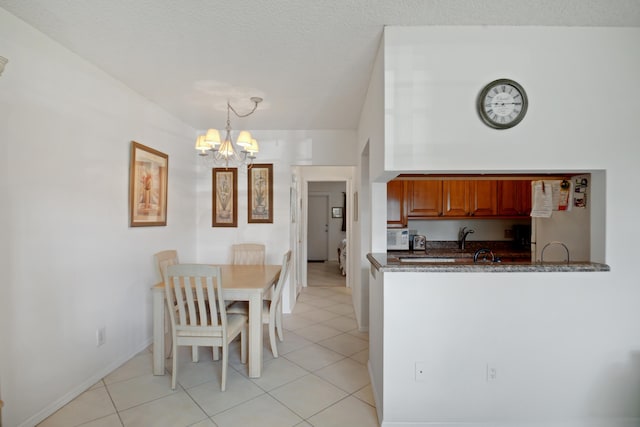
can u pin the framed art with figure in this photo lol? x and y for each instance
(225, 197)
(148, 180)
(260, 193)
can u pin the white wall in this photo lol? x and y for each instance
(74, 264)
(571, 338)
(564, 347)
(370, 164)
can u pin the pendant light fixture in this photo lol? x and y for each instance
(226, 152)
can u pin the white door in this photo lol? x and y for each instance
(318, 228)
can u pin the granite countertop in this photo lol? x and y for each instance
(513, 260)
(501, 249)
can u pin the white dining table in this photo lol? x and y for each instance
(239, 283)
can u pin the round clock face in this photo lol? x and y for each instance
(502, 104)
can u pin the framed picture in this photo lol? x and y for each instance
(225, 197)
(260, 193)
(336, 212)
(148, 179)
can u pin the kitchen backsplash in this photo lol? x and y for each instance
(485, 229)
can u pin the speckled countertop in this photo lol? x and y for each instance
(501, 249)
(512, 260)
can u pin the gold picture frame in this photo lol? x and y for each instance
(148, 183)
(260, 193)
(225, 197)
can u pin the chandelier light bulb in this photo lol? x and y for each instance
(202, 145)
(212, 138)
(244, 139)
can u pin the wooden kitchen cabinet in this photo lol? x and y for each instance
(456, 198)
(396, 204)
(514, 198)
(424, 198)
(483, 195)
(469, 198)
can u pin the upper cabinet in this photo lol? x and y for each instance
(456, 198)
(396, 204)
(514, 198)
(483, 194)
(424, 198)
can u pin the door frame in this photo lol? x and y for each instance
(308, 174)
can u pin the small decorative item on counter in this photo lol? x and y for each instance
(419, 243)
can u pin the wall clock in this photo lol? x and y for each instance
(502, 104)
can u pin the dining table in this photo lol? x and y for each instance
(239, 283)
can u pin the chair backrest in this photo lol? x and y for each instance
(248, 253)
(192, 289)
(284, 272)
(163, 260)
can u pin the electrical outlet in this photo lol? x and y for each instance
(101, 336)
(420, 372)
(492, 372)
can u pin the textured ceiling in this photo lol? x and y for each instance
(309, 59)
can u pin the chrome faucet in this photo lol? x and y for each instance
(554, 243)
(484, 251)
(462, 236)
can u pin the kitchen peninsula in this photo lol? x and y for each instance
(395, 262)
(463, 331)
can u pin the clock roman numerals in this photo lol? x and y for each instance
(502, 104)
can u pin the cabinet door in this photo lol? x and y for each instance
(508, 198)
(484, 197)
(524, 198)
(424, 198)
(456, 198)
(396, 204)
(514, 198)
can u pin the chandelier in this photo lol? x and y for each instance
(226, 152)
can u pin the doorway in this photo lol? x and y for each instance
(303, 180)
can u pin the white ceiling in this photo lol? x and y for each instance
(309, 59)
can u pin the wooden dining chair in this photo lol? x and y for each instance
(201, 318)
(163, 260)
(271, 306)
(248, 253)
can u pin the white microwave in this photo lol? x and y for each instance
(397, 239)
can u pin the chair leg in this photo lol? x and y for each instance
(272, 338)
(279, 324)
(194, 353)
(224, 366)
(168, 337)
(243, 346)
(174, 370)
(216, 353)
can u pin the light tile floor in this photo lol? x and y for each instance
(320, 380)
